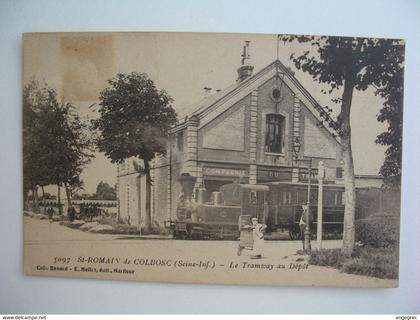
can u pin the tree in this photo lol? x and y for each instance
(75, 185)
(77, 196)
(105, 192)
(66, 144)
(392, 112)
(349, 64)
(55, 141)
(29, 139)
(35, 172)
(134, 121)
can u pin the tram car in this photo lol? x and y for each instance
(285, 202)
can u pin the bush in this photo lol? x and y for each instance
(327, 257)
(103, 228)
(374, 262)
(379, 231)
(119, 228)
(367, 261)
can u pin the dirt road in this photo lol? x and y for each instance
(52, 249)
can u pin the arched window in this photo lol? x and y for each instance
(274, 137)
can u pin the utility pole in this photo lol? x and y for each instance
(60, 209)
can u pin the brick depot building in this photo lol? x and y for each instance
(263, 128)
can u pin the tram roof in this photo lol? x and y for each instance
(256, 187)
(304, 184)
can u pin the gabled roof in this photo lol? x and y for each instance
(209, 100)
(212, 106)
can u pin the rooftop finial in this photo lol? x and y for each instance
(245, 55)
(245, 70)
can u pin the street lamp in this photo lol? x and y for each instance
(307, 233)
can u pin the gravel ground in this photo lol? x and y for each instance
(154, 259)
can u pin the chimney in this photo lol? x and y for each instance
(245, 70)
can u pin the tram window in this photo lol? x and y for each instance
(287, 197)
(272, 197)
(335, 198)
(332, 198)
(253, 197)
(260, 197)
(314, 196)
(329, 198)
(301, 196)
(298, 196)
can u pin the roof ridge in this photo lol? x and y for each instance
(205, 105)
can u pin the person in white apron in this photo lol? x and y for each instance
(258, 237)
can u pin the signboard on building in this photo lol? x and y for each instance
(277, 174)
(303, 175)
(225, 172)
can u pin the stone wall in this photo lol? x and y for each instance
(129, 190)
(160, 201)
(225, 147)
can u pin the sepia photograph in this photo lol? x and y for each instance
(213, 158)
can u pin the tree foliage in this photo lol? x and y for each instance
(363, 61)
(134, 118)
(105, 192)
(392, 113)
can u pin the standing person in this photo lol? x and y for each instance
(302, 223)
(258, 237)
(71, 213)
(50, 212)
(89, 212)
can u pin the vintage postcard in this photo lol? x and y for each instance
(212, 158)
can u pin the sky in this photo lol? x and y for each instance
(78, 65)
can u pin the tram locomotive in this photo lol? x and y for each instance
(276, 204)
(218, 218)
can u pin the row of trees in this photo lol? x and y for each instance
(103, 192)
(135, 118)
(56, 143)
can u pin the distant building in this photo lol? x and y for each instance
(368, 181)
(265, 127)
